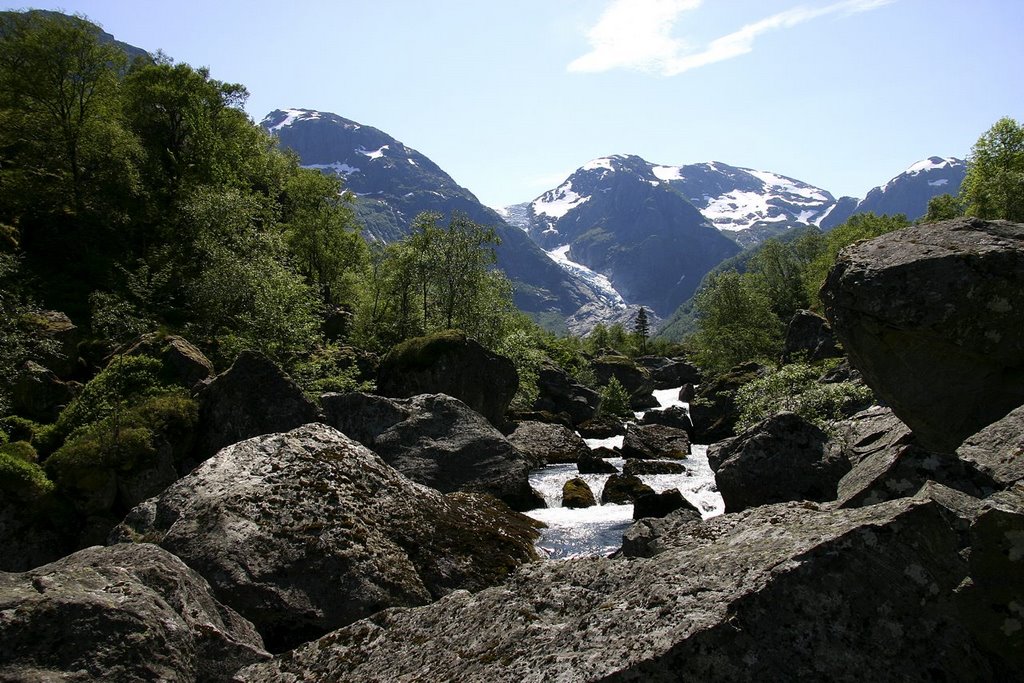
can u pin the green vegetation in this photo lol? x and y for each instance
(795, 388)
(22, 480)
(615, 400)
(994, 186)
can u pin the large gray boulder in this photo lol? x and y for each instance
(252, 397)
(713, 411)
(306, 531)
(779, 459)
(781, 592)
(932, 317)
(438, 441)
(547, 444)
(655, 442)
(669, 373)
(809, 338)
(122, 613)
(634, 379)
(557, 392)
(454, 364)
(183, 363)
(998, 450)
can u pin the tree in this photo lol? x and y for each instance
(641, 329)
(780, 267)
(943, 207)
(736, 322)
(615, 400)
(994, 185)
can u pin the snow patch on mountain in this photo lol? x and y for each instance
(558, 202)
(293, 115)
(667, 173)
(337, 167)
(595, 164)
(600, 283)
(375, 154)
(925, 166)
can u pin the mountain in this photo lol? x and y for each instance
(394, 183)
(131, 51)
(909, 192)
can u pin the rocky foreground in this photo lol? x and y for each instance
(889, 549)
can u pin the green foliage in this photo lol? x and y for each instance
(19, 428)
(523, 343)
(21, 450)
(737, 323)
(615, 400)
(994, 185)
(641, 329)
(781, 270)
(795, 388)
(943, 207)
(22, 480)
(330, 369)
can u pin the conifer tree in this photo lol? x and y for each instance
(642, 329)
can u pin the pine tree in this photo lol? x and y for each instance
(642, 329)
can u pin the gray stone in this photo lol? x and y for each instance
(438, 441)
(638, 467)
(779, 459)
(655, 442)
(577, 494)
(781, 592)
(548, 444)
(123, 613)
(620, 489)
(38, 394)
(932, 317)
(557, 392)
(661, 504)
(998, 449)
(306, 531)
(809, 339)
(183, 363)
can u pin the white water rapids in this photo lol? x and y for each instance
(597, 530)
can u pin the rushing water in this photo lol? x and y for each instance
(598, 530)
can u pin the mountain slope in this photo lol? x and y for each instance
(394, 183)
(909, 192)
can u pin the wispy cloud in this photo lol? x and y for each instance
(636, 34)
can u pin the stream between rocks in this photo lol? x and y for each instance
(597, 530)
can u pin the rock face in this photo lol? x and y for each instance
(780, 459)
(998, 450)
(635, 379)
(183, 363)
(547, 443)
(713, 411)
(450, 363)
(759, 595)
(557, 392)
(668, 373)
(809, 338)
(655, 442)
(250, 398)
(438, 441)
(576, 494)
(123, 613)
(306, 531)
(931, 315)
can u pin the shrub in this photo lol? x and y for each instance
(615, 399)
(22, 450)
(330, 369)
(795, 388)
(19, 428)
(22, 480)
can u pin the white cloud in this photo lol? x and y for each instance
(636, 34)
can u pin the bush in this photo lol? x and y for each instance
(615, 400)
(795, 388)
(19, 428)
(24, 481)
(330, 369)
(22, 450)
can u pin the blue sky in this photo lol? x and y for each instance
(511, 97)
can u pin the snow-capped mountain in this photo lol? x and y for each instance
(910, 191)
(394, 183)
(615, 218)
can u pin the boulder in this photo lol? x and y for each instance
(183, 363)
(673, 416)
(998, 450)
(577, 494)
(122, 613)
(870, 431)
(809, 339)
(655, 442)
(547, 444)
(623, 490)
(759, 595)
(601, 427)
(638, 467)
(931, 312)
(668, 373)
(595, 464)
(645, 537)
(782, 458)
(438, 441)
(713, 411)
(450, 363)
(517, 416)
(250, 398)
(39, 394)
(306, 531)
(661, 504)
(62, 355)
(558, 392)
(634, 379)
(687, 393)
